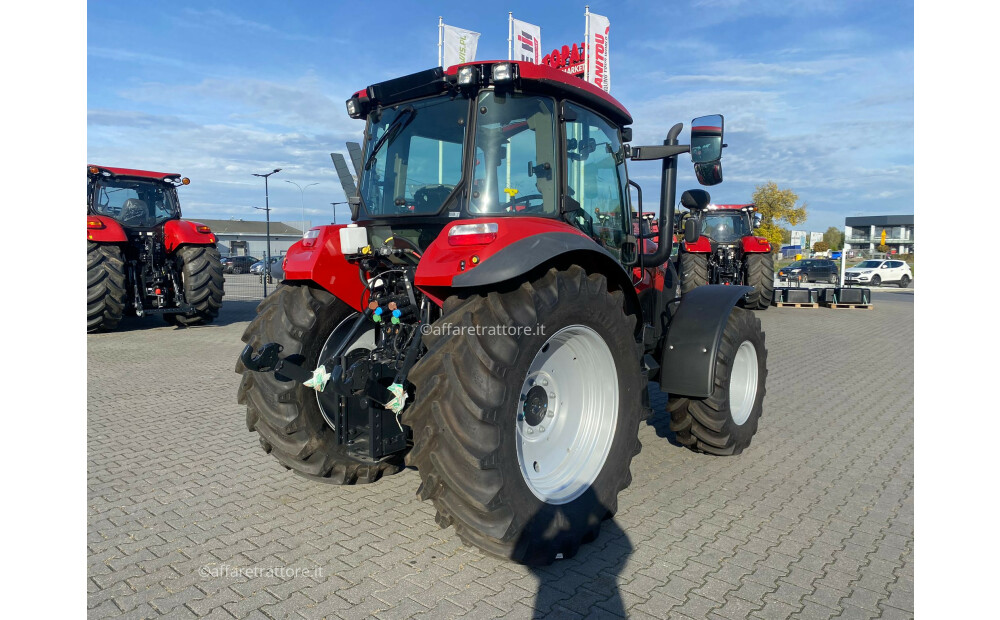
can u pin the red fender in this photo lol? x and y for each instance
(701, 245)
(103, 229)
(756, 245)
(319, 260)
(183, 232)
(442, 261)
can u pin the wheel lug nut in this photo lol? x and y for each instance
(541, 429)
(552, 395)
(545, 381)
(531, 431)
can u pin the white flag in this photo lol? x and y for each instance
(598, 48)
(527, 41)
(459, 45)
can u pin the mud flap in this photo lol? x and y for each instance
(693, 337)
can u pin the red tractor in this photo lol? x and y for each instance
(491, 317)
(141, 257)
(720, 248)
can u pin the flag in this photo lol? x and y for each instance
(598, 48)
(527, 41)
(459, 45)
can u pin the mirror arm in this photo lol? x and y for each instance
(668, 191)
(646, 153)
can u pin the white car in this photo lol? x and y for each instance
(877, 272)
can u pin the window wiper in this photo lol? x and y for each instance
(404, 118)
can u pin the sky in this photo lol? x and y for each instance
(817, 96)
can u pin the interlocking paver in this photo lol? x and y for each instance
(815, 520)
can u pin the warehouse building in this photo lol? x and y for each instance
(249, 238)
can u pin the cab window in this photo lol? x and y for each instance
(596, 179)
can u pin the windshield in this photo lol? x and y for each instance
(868, 264)
(413, 157)
(724, 227)
(137, 204)
(516, 161)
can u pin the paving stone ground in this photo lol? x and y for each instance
(187, 517)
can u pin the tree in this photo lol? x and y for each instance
(776, 205)
(834, 238)
(821, 246)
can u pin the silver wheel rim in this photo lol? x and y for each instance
(743, 383)
(365, 339)
(567, 414)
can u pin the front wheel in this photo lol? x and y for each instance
(725, 422)
(202, 279)
(876, 281)
(525, 422)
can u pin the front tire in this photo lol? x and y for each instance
(725, 422)
(286, 414)
(694, 271)
(105, 287)
(574, 352)
(877, 281)
(201, 276)
(759, 275)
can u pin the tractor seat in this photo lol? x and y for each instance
(134, 211)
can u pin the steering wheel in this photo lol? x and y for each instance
(515, 200)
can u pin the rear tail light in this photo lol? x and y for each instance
(203, 229)
(95, 224)
(309, 238)
(473, 234)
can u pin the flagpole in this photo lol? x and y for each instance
(510, 35)
(440, 41)
(586, 45)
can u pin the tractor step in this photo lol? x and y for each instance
(785, 304)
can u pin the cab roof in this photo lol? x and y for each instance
(529, 76)
(132, 172)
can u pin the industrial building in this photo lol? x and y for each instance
(249, 238)
(865, 233)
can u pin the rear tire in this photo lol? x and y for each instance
(286, 414)
(833, 279)
(759, 275)
(725, 422)
(694, 271)
(904, 282)
(105, 287)
(201, 276)
(471, 417)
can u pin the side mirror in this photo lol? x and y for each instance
(706, 148)
(706, 139)
(695, 199)
(709, 174)
(757, 218)
(691, 234)
(626, 134)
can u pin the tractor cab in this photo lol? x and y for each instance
(134, 198)
(498, 140)
(727, 224)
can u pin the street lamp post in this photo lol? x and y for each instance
(335, 209)
(267, 213)
(302, 200)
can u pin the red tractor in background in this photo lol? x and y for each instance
(141, 257)
(719, 247)
(492, 317)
